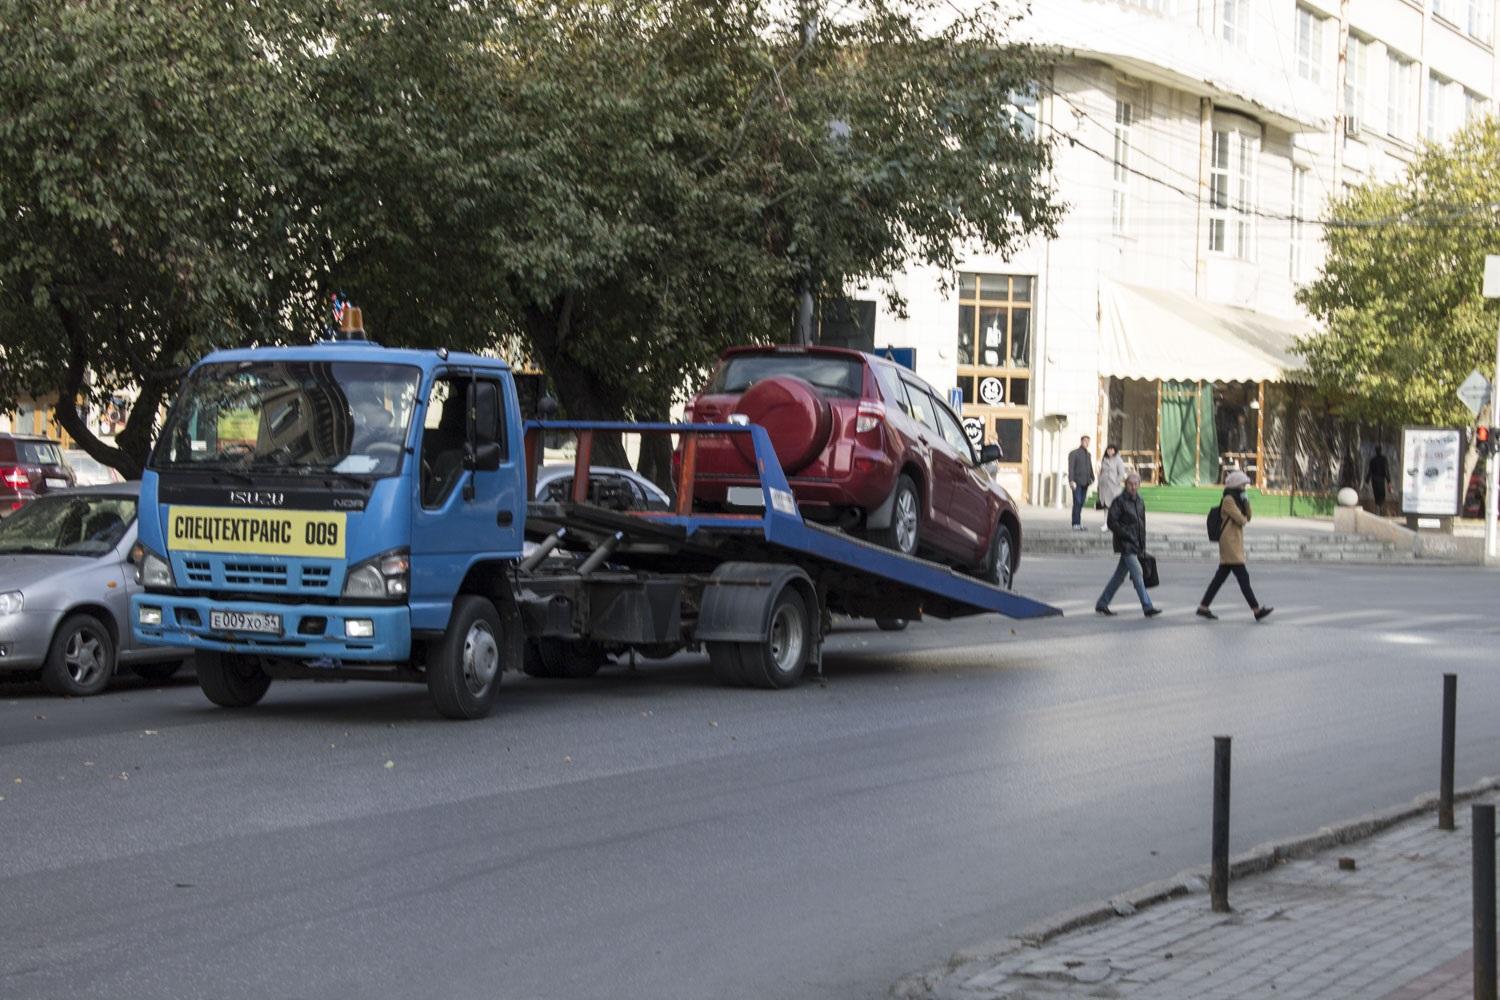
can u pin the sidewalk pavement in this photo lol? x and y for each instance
(1397, 927)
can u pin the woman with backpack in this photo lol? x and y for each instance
(1229, 529)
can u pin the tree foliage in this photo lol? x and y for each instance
(619, 187)
(1400, 293)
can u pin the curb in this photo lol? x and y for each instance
(1192, 880)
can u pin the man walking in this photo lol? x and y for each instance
(1234, 514)
(1080, 477)
(1378, 475)
(1127, 522)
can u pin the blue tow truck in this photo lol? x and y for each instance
(347, 511)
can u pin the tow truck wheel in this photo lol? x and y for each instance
(231, 680)
(463, 667)
(780, 659)
(560, 658)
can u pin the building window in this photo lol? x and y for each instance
(1234, 22)
(994, 359)
(1475, 107)
(1154, 6)
(1449, 10)
(1438, 116)
(1024, 107)
(1309, 45)
(1356, 81)
(1401, 96)
(1231, 193)
(1120, 207)
(1299, 223)
(1481, 20)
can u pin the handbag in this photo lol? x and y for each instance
(1148, 570)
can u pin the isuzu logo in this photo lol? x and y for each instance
(257, 498)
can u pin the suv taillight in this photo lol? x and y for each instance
(870, 416)
(15, 477)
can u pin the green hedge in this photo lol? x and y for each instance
(1200, 499)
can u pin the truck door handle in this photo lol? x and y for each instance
(504, 518)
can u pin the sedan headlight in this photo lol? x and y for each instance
(10, 603)
(154, 571)
(384, 577)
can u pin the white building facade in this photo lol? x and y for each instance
(1197, 142)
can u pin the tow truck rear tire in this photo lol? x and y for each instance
(231, 680)
(464, 666)
(779, 660)
(561, 658)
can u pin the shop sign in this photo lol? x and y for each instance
(1432, 465)
(974, 428)
(991, 391)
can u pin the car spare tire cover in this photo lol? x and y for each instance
(795, 416)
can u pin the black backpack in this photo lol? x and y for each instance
(1215, 523)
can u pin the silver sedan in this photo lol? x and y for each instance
(65, 586)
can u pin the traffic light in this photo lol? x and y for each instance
(1485, 439)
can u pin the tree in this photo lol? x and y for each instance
(697, 160)
(1399, 295)
(175, 177)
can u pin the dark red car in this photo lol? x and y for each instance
(29, 467)
(866, 445)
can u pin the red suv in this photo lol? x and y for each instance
(866, 445)
(30, 466)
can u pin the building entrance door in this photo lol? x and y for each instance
(994, 338)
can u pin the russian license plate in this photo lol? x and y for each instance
(746, 496)
(244, 621)
(56, 484)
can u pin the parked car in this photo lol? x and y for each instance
(615, 488)
(89, 471)
(866, 445)
(29, 467)
(65, 586)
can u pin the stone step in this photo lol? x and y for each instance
(1332, 547)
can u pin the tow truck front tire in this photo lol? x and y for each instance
(231, 680)
(464, 666)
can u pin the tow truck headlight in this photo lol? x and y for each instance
(150, 616)
(151, 570)
(386, 576)
(11, 603)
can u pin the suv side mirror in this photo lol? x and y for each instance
(990, 453)
(486, 415)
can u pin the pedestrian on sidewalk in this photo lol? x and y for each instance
(1080, 477)
(1378, 475)
(1111, 479)
(1234, 514)
(1127, 522)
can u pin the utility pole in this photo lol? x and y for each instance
(1492, 291)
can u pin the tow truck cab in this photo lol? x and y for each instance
(324, 510)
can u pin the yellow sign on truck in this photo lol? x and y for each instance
(304, 533)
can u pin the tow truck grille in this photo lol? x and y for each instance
(294, 576)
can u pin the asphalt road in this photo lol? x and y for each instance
(652, 835)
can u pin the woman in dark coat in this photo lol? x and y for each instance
(1127, 522)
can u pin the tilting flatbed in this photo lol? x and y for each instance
(661, 581)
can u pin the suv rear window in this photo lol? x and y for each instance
(833, 376)
(38, 453)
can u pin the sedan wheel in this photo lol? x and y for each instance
(81, 659)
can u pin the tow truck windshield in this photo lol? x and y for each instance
(298, 417)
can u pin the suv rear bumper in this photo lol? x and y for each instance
(391, 642)
(868, 483)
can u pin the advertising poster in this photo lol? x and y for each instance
(1432, 466)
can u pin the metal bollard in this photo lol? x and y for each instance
(1218, 878)
(1483, 826)
(1445, 788)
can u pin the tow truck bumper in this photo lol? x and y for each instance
(308, 631)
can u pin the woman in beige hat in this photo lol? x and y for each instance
(1234, 514)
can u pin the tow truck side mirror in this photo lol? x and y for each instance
(990, 453)
(486, 454)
